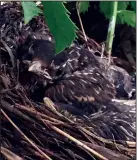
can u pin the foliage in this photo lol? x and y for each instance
(30, 11)
(122, 5)
(62, 28)
(83, 6)
(128, 17)
(124, 15)
(57, 18)
(106, 7)
(133, 5)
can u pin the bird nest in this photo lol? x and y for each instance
(31, 130)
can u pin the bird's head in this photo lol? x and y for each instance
(38, 67)
(42, 53)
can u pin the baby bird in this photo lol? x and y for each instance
(75, 78)
(71, 76)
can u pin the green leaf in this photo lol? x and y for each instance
(59, 23)
(83, 6)
(106, 7)
(30, 11)
(122, 5)
(133, 4)
(128, 17)
(123, 16)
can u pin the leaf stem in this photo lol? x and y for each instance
(111, 30)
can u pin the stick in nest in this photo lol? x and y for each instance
(9, 155)
(77, 8)
(24, 136)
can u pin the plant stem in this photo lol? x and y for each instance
(111, 30)
(85, 37)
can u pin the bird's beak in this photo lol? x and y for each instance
(35, 67)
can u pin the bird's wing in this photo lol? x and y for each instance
(87, 85)
(74, 59)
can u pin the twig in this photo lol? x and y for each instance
(102, 51)
(78, 142)
(13, 110)
(50, 105)
(24, 136)
(10, 53)
(91, 41)
(131, 144)
(36, 113)
(80, 21)
(105, 140)
(103, 150)
(9, 155)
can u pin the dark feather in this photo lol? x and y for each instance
(81, 78)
